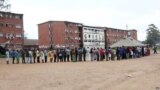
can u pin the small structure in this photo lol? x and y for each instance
(30, 43)
(127, 42)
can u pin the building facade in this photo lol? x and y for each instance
(93, 37)
(59, 34)
(71, 34)
(113, 35)
(11, 29)
(30, 44)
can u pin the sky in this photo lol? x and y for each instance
(136, 14)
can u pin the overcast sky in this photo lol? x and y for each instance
(137, 14)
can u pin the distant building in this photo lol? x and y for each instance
(71, 34)
(113, 35)
(59, 34)
(11, 29)
(30, 44)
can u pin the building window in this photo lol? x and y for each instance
(85, 28)
(10, 16)
(9, 36)
(89, 36)
(6, 15)
(1, 24)
(18, 26)
(18, 35)
(1, 34)
(17, 17)
(9, 25)
(1, 14)
(76, 31)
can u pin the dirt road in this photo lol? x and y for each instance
(133, 74)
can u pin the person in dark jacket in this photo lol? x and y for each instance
(23, 56)
(84, 54)
(34, 56)
(13, 56)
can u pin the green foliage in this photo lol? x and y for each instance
(2, 56)
(153, 35)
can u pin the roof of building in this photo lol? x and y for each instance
(11, 13)
(60, 21)
(127, 41)
(121, 29)
(94, 26)
(30, 42)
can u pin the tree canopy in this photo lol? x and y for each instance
(4, 5)
(153, 35)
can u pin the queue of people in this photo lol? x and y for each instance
(74, 55)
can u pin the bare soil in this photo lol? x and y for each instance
(133, 74)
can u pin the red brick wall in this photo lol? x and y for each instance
(134, 34)
(61, 31)
(43, 34)
(114, 35)
(11, 20)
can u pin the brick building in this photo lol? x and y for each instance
(59, 34)
(71, 34)
(11, 29)
(113, 35)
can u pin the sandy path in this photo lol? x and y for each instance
(135, 74)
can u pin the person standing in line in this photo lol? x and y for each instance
(97, 54)
(13, 56)
(102, 54)
(117, 53)
(17, 56)
(94, 54)
(91, 54)
(76, 52)
(27, 56)
(38, 56)
(80, 52)
(45, 55)
(57, 54)
(42, 57)
(73, 51)
(64, 55)
(142, 51)
(7, 56)
(30, 56)
(109, 54)
(54, 55)
(84, 54)
(34, 56)
(60, 55)
(23, 56)
(106, 53)
(50, 56)
(68, 54)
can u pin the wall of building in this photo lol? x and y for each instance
(60, 34)
(43, 34)
(70, 34)
(11, 25)
(113, 35)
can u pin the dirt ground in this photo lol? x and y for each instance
(133, 74)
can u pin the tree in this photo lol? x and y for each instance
(4, 5)
(153, 35)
